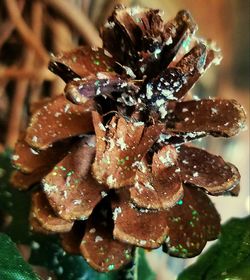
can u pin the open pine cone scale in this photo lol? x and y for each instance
(112, 152)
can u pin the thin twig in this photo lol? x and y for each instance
(85, 6)
(37, 27)
(62, 41)
(107, 9)
(5, 30)
(12, 73)
(27, 34)
(7, 27)
(17, 106)
(96, 8)
(22, 85)
(78, 20)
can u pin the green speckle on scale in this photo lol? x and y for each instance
(191, 224)
(70, 173)
(111, 267)
(194, 212)
(127, 254)
(180, 202)
(96, 62)
(121, 161)
(63, 168)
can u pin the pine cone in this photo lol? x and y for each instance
(114, 158)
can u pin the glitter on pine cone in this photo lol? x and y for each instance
(112, 153)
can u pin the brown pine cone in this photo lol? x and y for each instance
(113, 158)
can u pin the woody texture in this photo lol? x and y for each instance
(110, 162)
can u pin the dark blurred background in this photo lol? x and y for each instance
(31, 30)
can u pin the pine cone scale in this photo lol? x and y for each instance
(189, 219)
(70, 189)
(57, 120)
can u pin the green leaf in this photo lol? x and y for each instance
(228, 259)
(46, 250)
(12, 265)
(141, 270)
(13, 202)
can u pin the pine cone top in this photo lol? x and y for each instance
(112, 157)
(146, 68)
